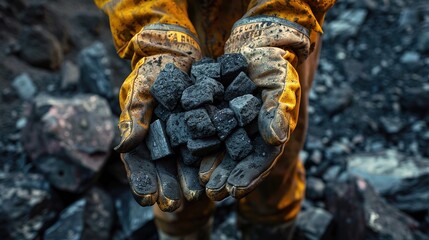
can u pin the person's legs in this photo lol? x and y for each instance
(271, 209)
(191, 221)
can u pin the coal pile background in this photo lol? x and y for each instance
(366, 155)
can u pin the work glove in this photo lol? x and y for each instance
(154, 181)
(273, 48)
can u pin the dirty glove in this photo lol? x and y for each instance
(152, 34)
(272, 47)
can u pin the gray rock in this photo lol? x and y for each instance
(69, 139)
(410, 58)
(163, 113)
(95, 71)
(90, 217)
(70, 225)
(136, 222)
(387, 169)
(238, 144)
(314, 224)
(392, 124)
(348, 23)
(28, 205)
(40, 48)
(70, 75)
(157, 141)
(360, 213)
(315, 188)
(245, 108)
(24, 86)
(338, 100)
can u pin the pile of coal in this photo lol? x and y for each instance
(213, 108)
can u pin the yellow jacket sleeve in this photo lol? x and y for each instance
(307, 13)
(129, 17)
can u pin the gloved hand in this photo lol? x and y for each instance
(154, 181)
(273, 47)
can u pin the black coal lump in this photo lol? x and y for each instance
(187, 157)
(224, 122)
(240, 86)
(177, 130)
(204, 146)
(211, 110)
(196, 95)
(231, 65)
(245, 108)
(203, 61)
(238, 144)
(211, 70)
(163, 113)
(157, 141)
(215, 86)
(199, 123)
(169, 85)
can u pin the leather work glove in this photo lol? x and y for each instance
(156, 181)
(152, 34)
(273, 47)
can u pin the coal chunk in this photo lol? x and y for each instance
(157, 141)
(245, 108)
(238, 145)
(211, 110)
(203, 61)
(163, 113)
(95, 71)
(177, 129)
(169, 85)
(231, 65)
(241, 85)
(187, 157)
(90, 217)
(211, 70)
(135, 221)
(197, 95)
(216, 87)
(203, 146)
(199, 123)
(224, 122)
(29, 205)
(314, 223)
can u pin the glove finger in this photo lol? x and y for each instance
(250, 171)
(216, 186)
(141, 175)
(188, 178)
(169, 197)
(208, 165)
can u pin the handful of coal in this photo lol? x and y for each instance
(197, 115)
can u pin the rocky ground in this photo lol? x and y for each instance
(367, 152)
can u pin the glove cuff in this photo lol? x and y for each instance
(158, 39)
(268, 31)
